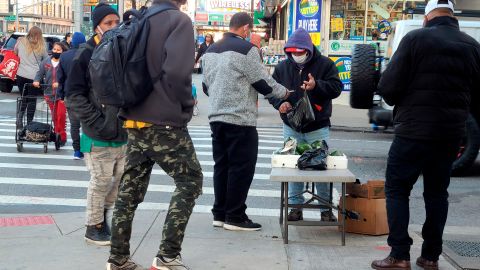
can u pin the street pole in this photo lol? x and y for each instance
(16, 16)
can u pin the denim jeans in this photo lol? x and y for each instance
(322, 189)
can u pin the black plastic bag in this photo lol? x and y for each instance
(301, 114)
(314, 159)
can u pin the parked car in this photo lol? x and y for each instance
(366, 72)
(6, 84)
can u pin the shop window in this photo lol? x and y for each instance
(347, 20)
(381, 15)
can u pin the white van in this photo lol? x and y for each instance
(364, 81)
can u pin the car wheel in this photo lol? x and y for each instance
(6, 86)
(467, 154)
(363, 76)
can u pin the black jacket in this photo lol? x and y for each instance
(66, 60)
(99, 122)
(202, 50)
(328, 86)
(432, 79)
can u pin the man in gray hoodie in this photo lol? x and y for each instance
(234, 75)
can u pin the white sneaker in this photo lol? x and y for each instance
(218, 224)
(163, 263)
(195, 110)
(128, 265)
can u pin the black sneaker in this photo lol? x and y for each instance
(246, 225)
(105, 217)
(296, 214)
(97, 234)
(328, 216)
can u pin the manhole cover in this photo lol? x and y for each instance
(464, 249)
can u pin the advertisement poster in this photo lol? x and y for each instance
(308, 17)
(344, 66)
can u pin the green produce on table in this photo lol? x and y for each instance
(317, 144)
(301, 148)
(336, 153)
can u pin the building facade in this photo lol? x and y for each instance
(53, 17)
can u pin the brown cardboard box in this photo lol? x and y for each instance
(373, 189)
(372, 216)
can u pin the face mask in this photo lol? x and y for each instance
(56, 55)
(100, 30)
(300, 59)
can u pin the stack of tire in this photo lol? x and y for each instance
(364, 79)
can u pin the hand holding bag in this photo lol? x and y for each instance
(301, 114)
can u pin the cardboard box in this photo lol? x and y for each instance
(372, 216)
(373, 189)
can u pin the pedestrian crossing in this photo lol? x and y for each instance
(34, 180)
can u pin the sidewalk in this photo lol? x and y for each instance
(60, 245)
(343, 116)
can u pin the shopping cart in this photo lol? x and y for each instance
(34, 117)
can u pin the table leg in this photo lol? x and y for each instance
(285, 217)
(282, 198)
(343, 212)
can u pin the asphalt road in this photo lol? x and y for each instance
(34, 182)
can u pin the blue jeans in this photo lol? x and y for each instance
(322, 189)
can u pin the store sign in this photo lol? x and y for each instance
(228, 5)
(201, 17)
(215, 17)
(385, 27)
(308, 17)
(342, 47)
(344, 66)
(336, 25)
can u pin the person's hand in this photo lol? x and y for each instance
(310, 84)
(55, 85)
(36, 84)
(285, 107)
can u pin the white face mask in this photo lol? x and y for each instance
(100, 30)
(300, 59)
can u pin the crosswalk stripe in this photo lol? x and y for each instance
(270, 148)
(151, 187)
(258, 176)
(69, 157)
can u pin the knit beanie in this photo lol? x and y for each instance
(77, 39)
(101, 11)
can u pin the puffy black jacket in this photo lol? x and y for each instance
(328, 86)
(432, 79)
(99, 122)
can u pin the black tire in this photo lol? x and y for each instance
(6, 86)
(468, 152)
(363, 76)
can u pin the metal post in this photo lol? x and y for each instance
(16, 16)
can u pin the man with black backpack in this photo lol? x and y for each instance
(157, 133)
(103, 140)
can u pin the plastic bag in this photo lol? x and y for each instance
(314, 159)
(301, 114)
(289, 147)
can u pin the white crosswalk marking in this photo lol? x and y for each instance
(34, 179)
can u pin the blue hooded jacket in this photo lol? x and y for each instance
(291, 75)
(302, 40)
(66, 61)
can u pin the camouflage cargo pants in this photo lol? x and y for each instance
(173, 150)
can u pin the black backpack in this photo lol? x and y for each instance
(118, 67)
